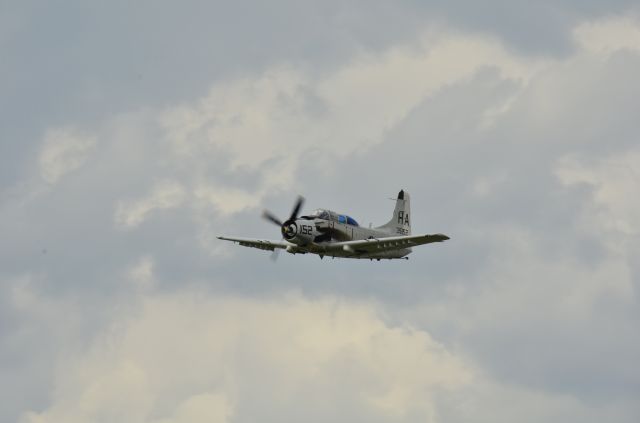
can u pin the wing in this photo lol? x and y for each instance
(373, 245)
(263, 244)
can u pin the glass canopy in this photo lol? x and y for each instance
(329, 215)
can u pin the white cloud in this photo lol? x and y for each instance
(374, 93)
(608, 35)
(490, 402)
(203, 408)
(141, 274)
(614, 183)
(64, 150)
(286, 115)
(164, 195)
(524, 275)
(521, 287)
(274, 124)
(226, 200)
(180, 358)
(191, 357)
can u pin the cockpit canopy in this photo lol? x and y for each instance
(333, 216)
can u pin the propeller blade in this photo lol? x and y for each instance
(271, 217)
(275, 255)
(296, 208)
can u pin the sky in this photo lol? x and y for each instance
(131, 135)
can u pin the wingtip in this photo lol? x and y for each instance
(442, 237)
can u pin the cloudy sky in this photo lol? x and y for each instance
(132, 134)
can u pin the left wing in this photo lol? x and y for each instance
(372, 245)
(263, 244)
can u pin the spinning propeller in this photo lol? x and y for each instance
(288, 227)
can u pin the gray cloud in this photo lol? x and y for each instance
(517, 156)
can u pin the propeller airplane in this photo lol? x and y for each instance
(327, 233)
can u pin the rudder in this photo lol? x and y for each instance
(400, 223)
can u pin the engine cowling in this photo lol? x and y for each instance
(300, 232)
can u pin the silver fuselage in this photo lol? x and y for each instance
(314, 235)
(327, 233)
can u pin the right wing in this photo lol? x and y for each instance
(262, 244)
(373, 245)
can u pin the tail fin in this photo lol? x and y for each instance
(400, 223)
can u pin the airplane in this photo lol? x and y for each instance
(327, 233)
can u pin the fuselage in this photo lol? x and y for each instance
(327, 233)
(315, 232)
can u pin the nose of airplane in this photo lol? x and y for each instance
(289, 230)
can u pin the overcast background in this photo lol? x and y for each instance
(131, 134)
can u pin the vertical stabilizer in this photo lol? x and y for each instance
(400, 223)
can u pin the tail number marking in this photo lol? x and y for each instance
(403, 219)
